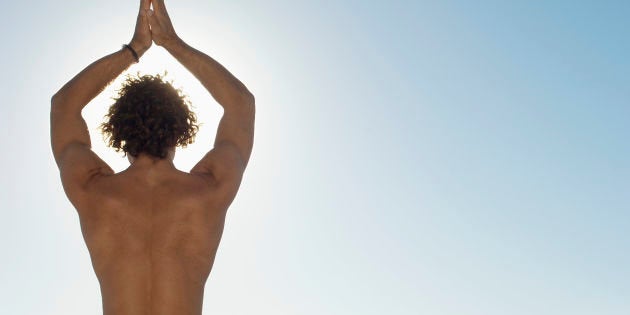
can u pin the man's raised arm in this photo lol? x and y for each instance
(234, 140)
(69, 135)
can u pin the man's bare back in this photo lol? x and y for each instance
(152, 234)
(152, 231)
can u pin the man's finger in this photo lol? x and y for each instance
(141, 18)
(144, 18)
(145, 5)
(151, 17)
(159, 6)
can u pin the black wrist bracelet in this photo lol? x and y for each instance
(135, 54)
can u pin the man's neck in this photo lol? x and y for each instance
(144, 161)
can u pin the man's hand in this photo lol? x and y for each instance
(161, 26)
(141, 40)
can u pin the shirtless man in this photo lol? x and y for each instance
(152, 231)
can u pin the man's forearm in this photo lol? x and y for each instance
(226, 89)
(86, 85)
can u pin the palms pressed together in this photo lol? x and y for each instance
(152, 26)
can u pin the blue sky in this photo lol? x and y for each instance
(411, 157)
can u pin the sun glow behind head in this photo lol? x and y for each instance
(158, 61)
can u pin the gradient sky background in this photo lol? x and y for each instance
(411, 157)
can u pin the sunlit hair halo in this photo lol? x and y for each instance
(149, 116)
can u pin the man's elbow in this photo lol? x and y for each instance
(57, 98)
(246, 101)
(249, 99)
(54, 103)
(62, 99)
(240, 101)
(58, 104)
(251, 105)
(54, 99)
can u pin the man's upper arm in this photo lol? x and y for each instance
(70, 142)
(233, 144)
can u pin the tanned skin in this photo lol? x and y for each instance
(152, 231)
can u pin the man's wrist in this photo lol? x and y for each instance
(140, 50)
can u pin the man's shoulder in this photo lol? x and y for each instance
(169, 187)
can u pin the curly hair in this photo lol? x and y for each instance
(149, 116)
